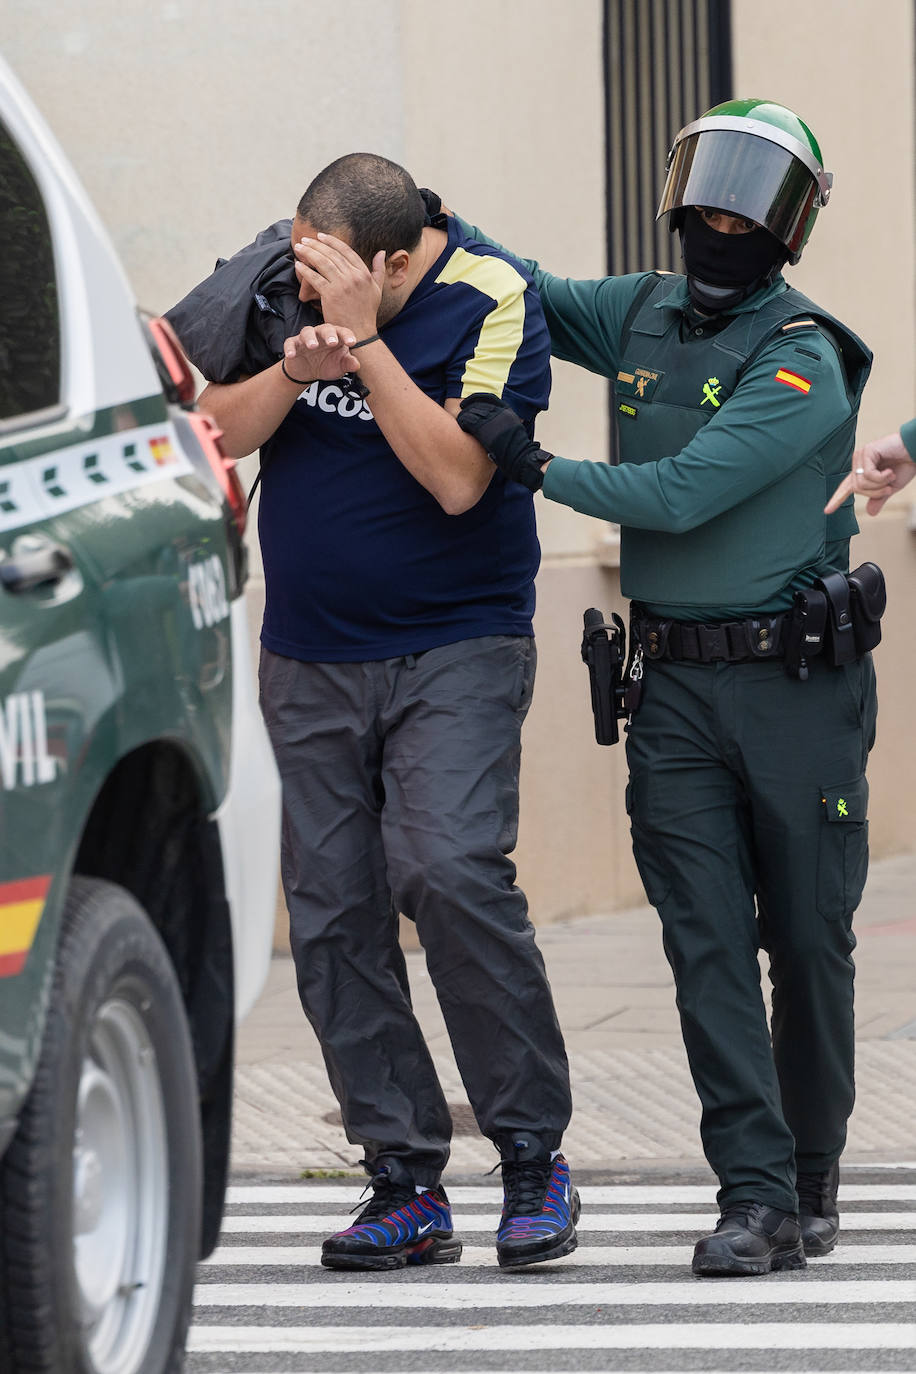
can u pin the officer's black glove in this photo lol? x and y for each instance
(435, 215)
(495, 425)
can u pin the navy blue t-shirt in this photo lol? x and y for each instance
(360, 561)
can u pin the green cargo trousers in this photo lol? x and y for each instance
(747, 802)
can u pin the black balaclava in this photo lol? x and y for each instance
(724, 269)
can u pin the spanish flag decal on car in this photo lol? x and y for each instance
(161, 448)
(793, 379)
(21, 905)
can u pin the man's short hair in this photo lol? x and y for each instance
(373, 199)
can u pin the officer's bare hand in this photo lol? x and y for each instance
(346, 288)
(878, 470)
(320, 353)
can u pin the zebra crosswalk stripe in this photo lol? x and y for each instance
(620, 1194)
(457, 1297)
(808, 1336)
(620, 1223)
(484, 1256)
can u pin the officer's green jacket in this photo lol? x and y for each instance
(733, 434)
(908, 435)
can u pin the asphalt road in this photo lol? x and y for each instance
(624, 1301)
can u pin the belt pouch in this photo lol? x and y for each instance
(868, 600)
(804, 631)
(841, 639)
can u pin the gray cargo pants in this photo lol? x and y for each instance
(400, 793)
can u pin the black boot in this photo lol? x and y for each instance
(750, 1238)
(818, 1213)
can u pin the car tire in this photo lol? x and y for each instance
(100, 1190)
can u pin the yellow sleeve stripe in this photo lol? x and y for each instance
(503, 330)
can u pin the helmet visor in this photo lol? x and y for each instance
(745, 175)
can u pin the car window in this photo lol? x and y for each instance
(29, 315)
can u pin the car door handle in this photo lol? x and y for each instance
(24, 572)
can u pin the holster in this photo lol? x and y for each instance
(604, 654)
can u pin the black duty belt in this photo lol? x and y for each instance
(838, 616)
(728, 641)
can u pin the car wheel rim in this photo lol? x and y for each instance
(120, 1190)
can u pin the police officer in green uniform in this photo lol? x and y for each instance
(736, 400)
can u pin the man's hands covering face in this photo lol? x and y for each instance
(497, 427)
(349, 292)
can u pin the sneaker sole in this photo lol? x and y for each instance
(560, 1247)
(725, 1267)
(434, 1250)
(565, 1247)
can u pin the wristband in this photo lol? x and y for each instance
(297, 380)
(362, 342)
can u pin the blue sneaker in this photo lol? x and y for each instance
(541, 1206)
(399, 1226)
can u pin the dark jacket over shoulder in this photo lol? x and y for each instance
(235, 321)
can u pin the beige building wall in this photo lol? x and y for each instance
(194, 123)
(849, 73)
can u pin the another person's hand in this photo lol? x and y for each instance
(347, 288)
(878, 470)
(497, 427)
(319, 353)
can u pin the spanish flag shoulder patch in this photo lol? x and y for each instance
(794, 379)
